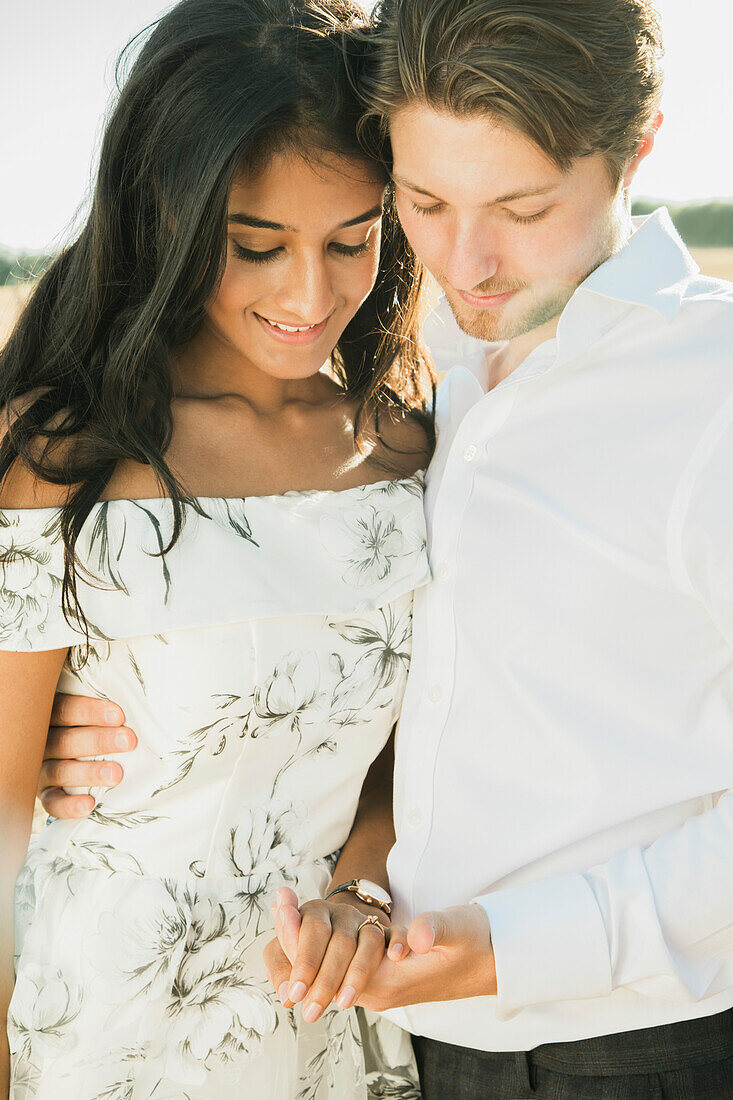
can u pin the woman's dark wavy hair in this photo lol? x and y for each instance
(217, 87)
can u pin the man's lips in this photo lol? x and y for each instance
(304, 336)
(486, 301)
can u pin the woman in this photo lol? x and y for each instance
(200, 523)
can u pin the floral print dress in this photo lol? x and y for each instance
(261, 663)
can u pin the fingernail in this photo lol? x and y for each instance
(83, 809)
(283, 991)
(297, 993)
(311, 1012)
(109, 773)
(395, 950)
(122, 741)
(346, 997)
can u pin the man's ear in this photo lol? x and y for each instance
(644, 148)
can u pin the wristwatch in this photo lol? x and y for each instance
(366, 891)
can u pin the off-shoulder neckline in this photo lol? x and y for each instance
(289, 494)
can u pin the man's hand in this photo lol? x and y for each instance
(81, 727)
(450, 958)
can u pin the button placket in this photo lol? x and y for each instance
(438, 671)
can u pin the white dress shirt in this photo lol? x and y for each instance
(566, 743)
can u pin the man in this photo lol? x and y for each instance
(564, 826)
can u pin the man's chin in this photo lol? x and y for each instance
(505, 322)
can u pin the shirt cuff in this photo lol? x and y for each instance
(549, 943)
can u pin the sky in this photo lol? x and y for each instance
(57, 76)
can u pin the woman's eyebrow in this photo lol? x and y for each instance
(259, 223)
(262, 223)
(375, 212)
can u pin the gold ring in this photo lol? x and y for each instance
(373, 920)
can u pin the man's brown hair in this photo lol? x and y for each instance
(575, 76)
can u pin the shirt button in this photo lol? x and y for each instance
(435, 694)
(442, 570)
(414, 818)
(470, 452)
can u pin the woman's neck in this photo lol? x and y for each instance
(208, 369)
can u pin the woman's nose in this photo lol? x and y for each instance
(309, 295)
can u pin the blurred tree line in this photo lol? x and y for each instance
(17, 266)
(701, 225)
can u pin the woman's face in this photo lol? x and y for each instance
(302, 255)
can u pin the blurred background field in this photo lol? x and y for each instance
(53, 118)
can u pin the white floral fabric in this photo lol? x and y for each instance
(262, 663)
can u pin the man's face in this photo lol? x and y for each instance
(505, 232)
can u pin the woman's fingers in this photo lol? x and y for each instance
(65, 743)
(315, 934)
(346, 969)
(80, 710)
(67, 807)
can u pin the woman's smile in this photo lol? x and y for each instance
(294, 335)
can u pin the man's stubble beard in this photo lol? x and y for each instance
(541, 307)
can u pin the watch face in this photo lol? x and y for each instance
(365, 886)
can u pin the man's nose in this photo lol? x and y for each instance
(309, 294)
(472, 259)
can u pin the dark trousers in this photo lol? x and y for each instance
(692, 1060)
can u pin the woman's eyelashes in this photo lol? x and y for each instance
(252, 256)
(351, 249)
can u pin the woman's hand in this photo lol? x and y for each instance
(81, 727)
(322, 954)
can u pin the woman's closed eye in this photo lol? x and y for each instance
(253, 256)
(351, 249)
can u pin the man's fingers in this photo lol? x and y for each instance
(73, 743)
(80, 773)
(398, 948)
(427, 931)
(286, 896)
(456, 925)
(67, 807)
(278, 968)
(287, 926)
(80, 710)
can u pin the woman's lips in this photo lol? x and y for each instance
(304, 336)
(486, 301)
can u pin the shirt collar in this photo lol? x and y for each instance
(652, 270)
